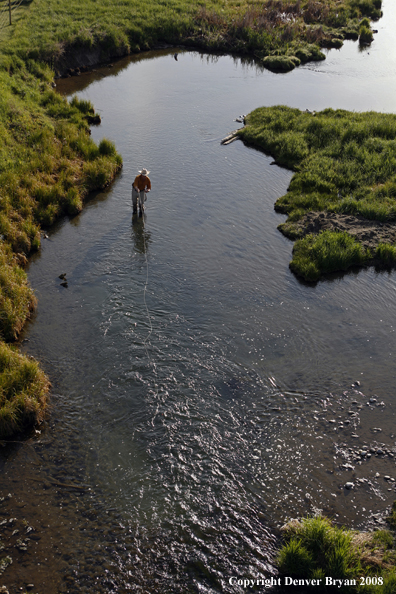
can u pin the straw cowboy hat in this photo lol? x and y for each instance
(144, 171)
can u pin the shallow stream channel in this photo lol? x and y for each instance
(202, 395)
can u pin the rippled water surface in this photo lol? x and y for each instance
(201, 393)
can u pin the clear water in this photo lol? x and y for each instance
(194, 377)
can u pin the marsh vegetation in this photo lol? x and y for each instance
(48, 165)
(267, 29)
(23, 391)
(344, 163)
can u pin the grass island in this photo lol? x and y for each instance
(341, 201)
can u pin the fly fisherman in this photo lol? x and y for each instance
(140, 187)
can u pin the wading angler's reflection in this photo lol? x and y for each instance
(141, 237)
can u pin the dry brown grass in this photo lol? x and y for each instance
(372, 553)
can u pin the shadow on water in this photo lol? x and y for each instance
(76, 84)
(331, 277)
(141, 236)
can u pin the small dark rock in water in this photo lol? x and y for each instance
(380, 452)
(64, 284)
(349, 485)
(357, 383)
(62, 276)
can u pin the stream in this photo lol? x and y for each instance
(202, 395)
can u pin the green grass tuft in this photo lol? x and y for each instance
(386, 253)
(16, 297)
(83, 105)
(365, 34)
(281, 63)
(295, 560)
(329, 251)
(314, 548)
(107, 148)
(23, 391)
(323, 549)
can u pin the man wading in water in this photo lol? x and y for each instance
(140, 187)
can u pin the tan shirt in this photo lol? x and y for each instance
(142, 183)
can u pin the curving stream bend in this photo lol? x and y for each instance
(202, 394)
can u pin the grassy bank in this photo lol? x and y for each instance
(314, 549)
(344, 163)
(48, 165)
(23, 391)
(57, 30)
